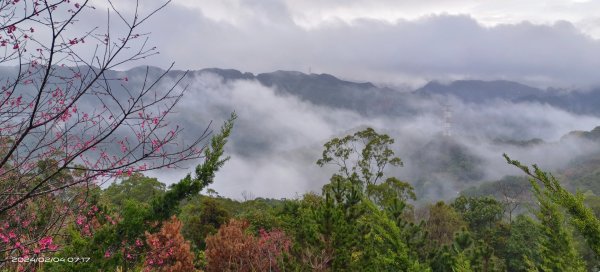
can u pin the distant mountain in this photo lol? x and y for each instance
(369, 99)
(583, 172)
(580, 174)
(593, 135)
(478, 91)
(326, 90)
(521, 143)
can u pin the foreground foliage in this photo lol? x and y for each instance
(363, 220)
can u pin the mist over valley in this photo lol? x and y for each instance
(450, 136)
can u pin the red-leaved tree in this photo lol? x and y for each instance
(68, 121)
(169, 251)
(233, 249)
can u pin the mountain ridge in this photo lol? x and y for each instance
(369, 99)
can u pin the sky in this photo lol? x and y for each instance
(399, 44)
(396, 43)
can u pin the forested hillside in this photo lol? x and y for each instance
(363, 219)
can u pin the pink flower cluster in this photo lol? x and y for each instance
(46, 243)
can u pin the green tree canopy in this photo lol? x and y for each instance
(135, 187)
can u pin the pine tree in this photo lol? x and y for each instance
(581, 217)
(557, 248)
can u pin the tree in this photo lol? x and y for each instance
(169, 251)
(361, 170)
(365, 166)
(513, 191)
(364, 219)
(382, 244)
(456, 256)
(166, 205)
(389, 191)
(480, 213)
(51, 137)
(201, 217)
(233, 249)
(549, 190)
(135, 187)
(522, 246)
(116, 243)
(466, 253)
(483, 215)
(556, 247)
(309, 223)
(442, 223)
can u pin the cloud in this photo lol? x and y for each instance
(313, 13)
(393, 42)
(278, 138)
(403, 52)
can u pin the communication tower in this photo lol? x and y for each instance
(447, 132)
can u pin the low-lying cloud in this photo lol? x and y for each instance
(278, 137)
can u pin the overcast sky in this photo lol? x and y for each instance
(400, 43)
(387, 41)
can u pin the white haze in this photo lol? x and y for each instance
(278, 138)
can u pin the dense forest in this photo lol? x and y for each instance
(362, 220)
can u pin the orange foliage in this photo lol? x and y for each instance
(232, 249)
(169, 251)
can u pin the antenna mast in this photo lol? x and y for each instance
(447, 120)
